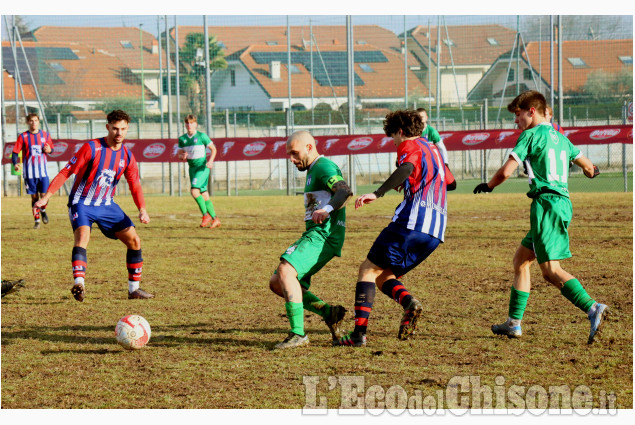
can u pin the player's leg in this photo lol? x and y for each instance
(519, 292)
(79, 259)
(42, 187)
(200, 201)
(552, 218)
(332, 314)
(572, 290)
(134, 262)
(210, 209)
(292, 294)
(31, 188)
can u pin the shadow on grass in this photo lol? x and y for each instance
(160, 336)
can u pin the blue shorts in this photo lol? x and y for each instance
(401, 250)
(34, 186)
(110, 218)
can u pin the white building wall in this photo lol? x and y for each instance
(244, 94)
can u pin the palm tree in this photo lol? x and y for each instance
(192, 56)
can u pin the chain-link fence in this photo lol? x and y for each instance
(337, 74)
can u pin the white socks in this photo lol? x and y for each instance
(133, 285)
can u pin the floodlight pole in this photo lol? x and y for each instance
(143, 100)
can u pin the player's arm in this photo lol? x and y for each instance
(587, 166)
(15, 154)
(396, 179)
(442, 150)
(134, 183)
(499, 177)
(212, 147)
(450, 181)
(76, 164)
(48, 145)
(341, 193)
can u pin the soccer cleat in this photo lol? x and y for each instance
(292, 341)
(207, 219)
(334, 320)
(409, 319)
(45, 218)
(36, 225)
(139, 294)
(597, 319)
(350, 340)
(215, 223)
(505, 329)
(78, 291)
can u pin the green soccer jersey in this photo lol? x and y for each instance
(318, 190)
(195, 147)
(431, 134)
(546, 154)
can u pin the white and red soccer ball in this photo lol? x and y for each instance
(132, 332)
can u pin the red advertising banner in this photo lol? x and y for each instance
(249, 148)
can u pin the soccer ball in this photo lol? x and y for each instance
(132, 332)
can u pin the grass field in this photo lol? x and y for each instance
(214, 320)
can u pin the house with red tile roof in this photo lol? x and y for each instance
(257, 78)
(257, 73)
(581, 59)
(68, 73)
(124, 43)
(464, 55)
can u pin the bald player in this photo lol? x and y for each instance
(325, 195)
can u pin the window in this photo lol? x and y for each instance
(510, 76)
(361, 42)
(251, 81)
(577, 62)
(492, 41)
(57, 66)
(294, 69)
(366, 67)
(271, 43)
(126, 44)
(626, 60)
(527, 74)
(232, 76)
(448, 42)
(221, 44)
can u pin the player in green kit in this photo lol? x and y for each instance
(432, 135)
(546, 154)
(192, 146)
(325, 194)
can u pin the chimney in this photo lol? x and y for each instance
(274, 70)
(155, 47)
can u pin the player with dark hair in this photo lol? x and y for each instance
(546, 154)
(98, 166)
(432, 135)
(417, 227)
(192, 146)
(34, 144)
(325, 196)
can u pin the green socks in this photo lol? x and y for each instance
(574, 292)
(210, 208)
(517, 303)
(295, 314)
(201, 204)
(315, 305)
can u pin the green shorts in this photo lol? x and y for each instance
(309, 254)
(199, 176)
(548, 237)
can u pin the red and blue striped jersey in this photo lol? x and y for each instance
(98, 169)
(424, 208)
(33, 156)
(557, 127)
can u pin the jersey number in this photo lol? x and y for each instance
(553, 165)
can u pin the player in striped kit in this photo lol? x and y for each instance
(98, 166)
(417, 227)
(34, 144)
